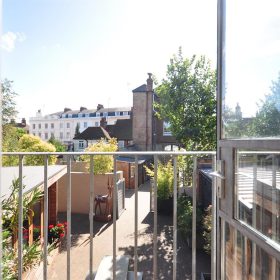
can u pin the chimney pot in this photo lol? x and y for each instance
(150, 82)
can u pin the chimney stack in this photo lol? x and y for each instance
(66, 109)
(99, 106)
(82, 108)
(150, 83)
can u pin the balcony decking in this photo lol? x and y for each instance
(103, 244)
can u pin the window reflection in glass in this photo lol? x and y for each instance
(251, 93)
(245, 260)
(258, 192)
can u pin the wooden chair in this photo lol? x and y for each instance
(104, 199)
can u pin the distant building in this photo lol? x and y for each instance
(121, 130)
(62, 125)
(149, 132)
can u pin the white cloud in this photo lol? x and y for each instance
(9, 39)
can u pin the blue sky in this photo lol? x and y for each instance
(66, 53)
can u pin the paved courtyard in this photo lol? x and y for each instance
(103, 243)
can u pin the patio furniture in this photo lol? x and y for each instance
(103, 216)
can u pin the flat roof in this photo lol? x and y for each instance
(33, 176)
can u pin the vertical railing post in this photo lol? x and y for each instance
(214, 223)
(46, 218)
(68, 217)
(114, 220)
(155, 219)
(136, 219)
(194, 218)
(20, 219)
(175, 218)
(91, 216)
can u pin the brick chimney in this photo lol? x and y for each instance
(99, 106)
(82, 108)
(23, 122)
(66, 110)
(150, 83)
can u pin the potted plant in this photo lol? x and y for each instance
(57, 232)
(164, 187)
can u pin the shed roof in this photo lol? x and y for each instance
(33, 176)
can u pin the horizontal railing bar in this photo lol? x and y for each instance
(122, 153)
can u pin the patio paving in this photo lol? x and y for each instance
(103, 244)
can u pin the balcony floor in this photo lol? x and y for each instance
(103, 239)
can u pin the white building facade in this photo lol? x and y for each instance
(62, 125)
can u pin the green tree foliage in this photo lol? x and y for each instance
(267, 121)
(31, 143)
(187, 101)
(77, 130)
(10, 143)
(59, 147)
(102, 163)
(9, 111)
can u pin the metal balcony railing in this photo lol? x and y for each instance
(155, 155)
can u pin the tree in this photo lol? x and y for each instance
(10, 143)
(9, 111)
(187, 100)
(102, 163)
(267, 120)
(77, 130)
(31, 143)
(59, 147)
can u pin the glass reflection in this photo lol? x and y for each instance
(251, 96)
(245, 260)
(258, 192)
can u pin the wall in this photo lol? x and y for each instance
(80, 190)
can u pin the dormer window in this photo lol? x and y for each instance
(80, 115)
(69, 115)
(97, 114)
(117, 113)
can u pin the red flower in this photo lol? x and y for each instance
(60, 225)
(61, 235)
(50, 226)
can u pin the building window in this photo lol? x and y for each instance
(69, 115)
(117, 113)
(52, 135)
(87, 115)
(61, 135)
(39, 126)
(85, 124)
(61, 125)
(125, 113)
(68, 125)
(34, 126)
(46, 135)
(52, 125)
(97, 114)
(81, 144)
(39, 134)
(46, 125)
(68, 135)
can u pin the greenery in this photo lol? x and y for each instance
(10, 143)
(187, 100)
(102, 163)
(184, 216)
(207, 227)
(59, 147)
(10, 213)
(77, 130)
(31, 143)
(9, 111)
(164, 179)
(56, 232)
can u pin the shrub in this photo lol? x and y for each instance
(164, 179)
(184, 216)
(207, 226)
(102, 163)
